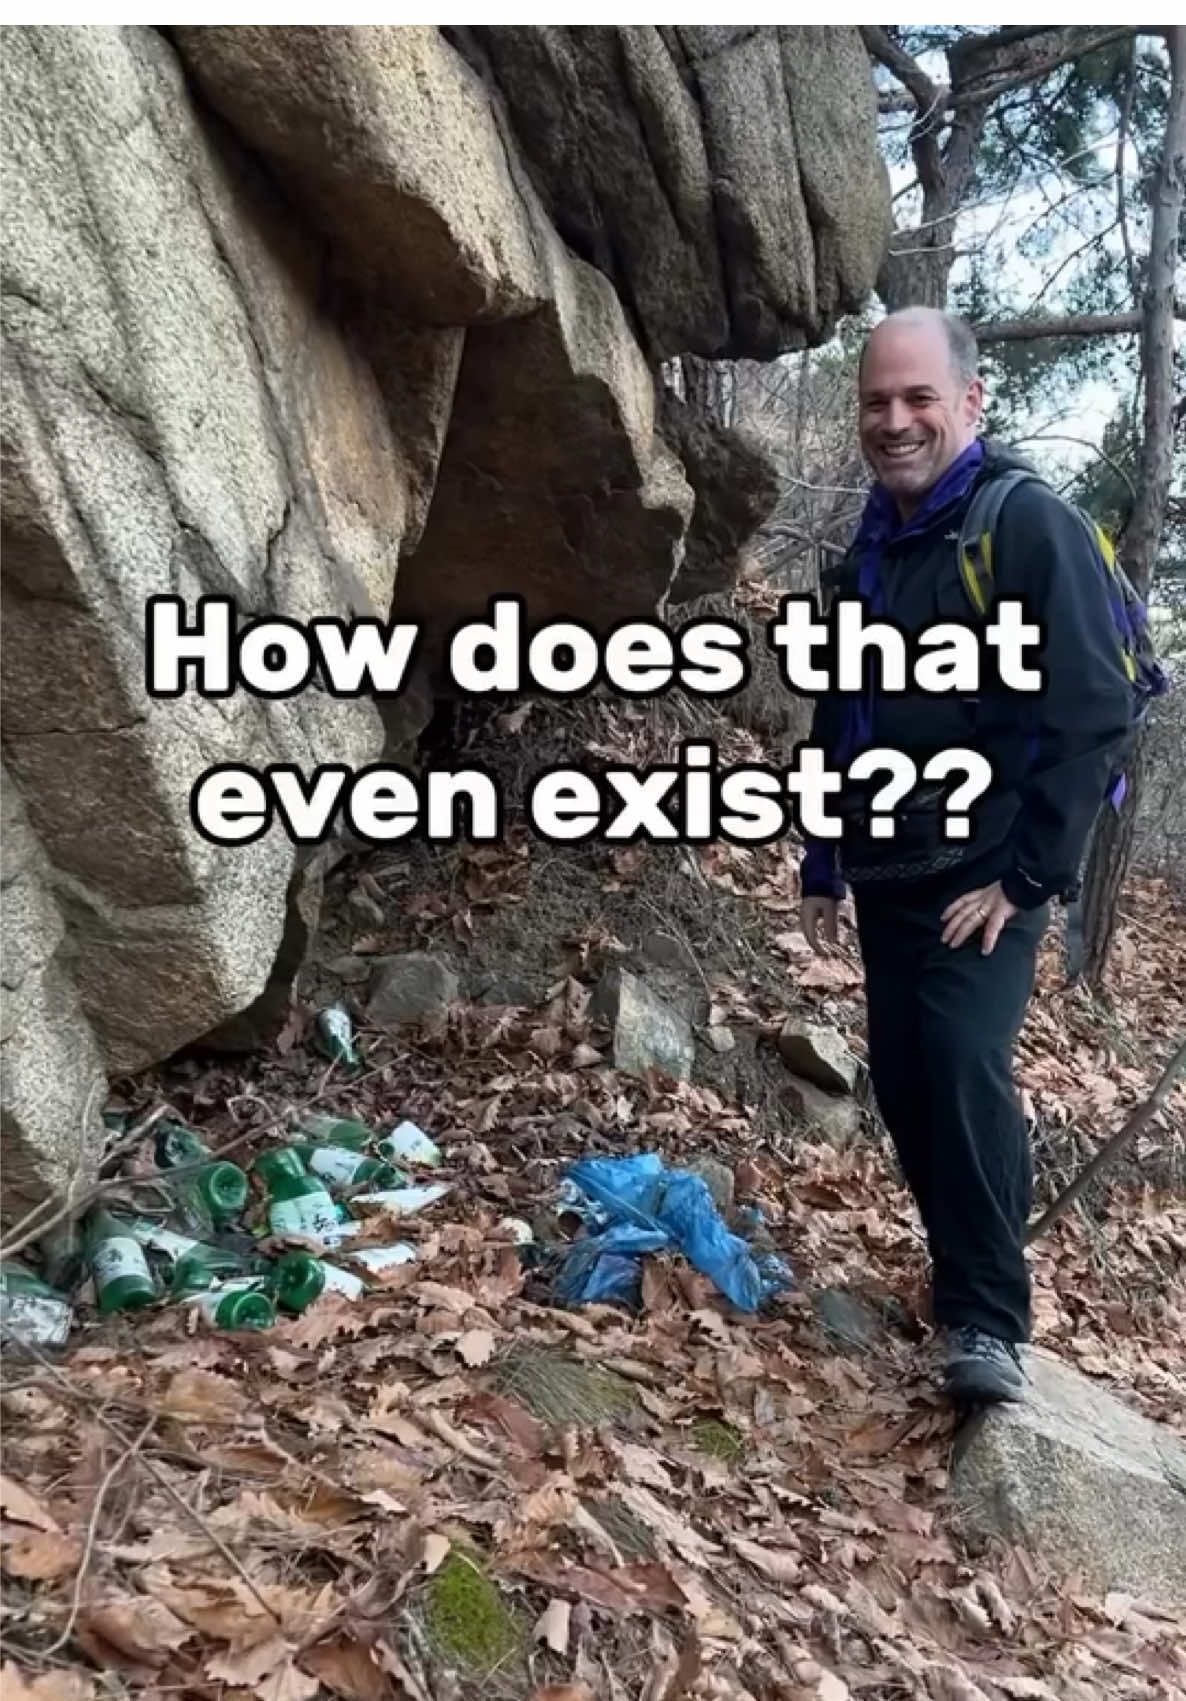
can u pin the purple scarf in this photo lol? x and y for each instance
(880, 525)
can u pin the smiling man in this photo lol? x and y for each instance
(949, 930)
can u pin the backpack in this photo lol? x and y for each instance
(1129, 615)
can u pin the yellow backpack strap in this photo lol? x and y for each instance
(976, 563)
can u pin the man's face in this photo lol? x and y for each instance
(917, 415)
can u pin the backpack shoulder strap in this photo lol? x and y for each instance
(975, 547)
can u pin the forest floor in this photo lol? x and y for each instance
(456, 1487)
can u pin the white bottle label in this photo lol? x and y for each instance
(210, 1299)
(410, 1143)
(119, 1256)
(336, 1163)
(341, 1281)
(312, 1215)
(385, 1257)
(405, 1201)
(164, 1240)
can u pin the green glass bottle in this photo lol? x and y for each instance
(339, 1166)
(234, 1305)
(194, 1265)
(30, 1309)
(298, 1202)
(214, 1194)
(325, 1130)
(298, 1278)
(123, 1281)
(334, 1033)
(410, 1145)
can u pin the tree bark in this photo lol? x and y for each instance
(1111, 849)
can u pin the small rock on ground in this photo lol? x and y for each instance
(648, 1033)
(848, 1319)
(409, 987)
(819, 1054)
(718, 1178)
(1086, 1483)
(836, 1120)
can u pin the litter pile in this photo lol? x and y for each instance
(240, 1257)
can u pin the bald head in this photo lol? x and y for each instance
(933, 324)
(920, 400)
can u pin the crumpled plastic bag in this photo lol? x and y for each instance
(647, 1207)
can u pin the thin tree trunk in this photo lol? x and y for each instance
(1111, 849)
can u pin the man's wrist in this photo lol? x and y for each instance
(1023, 891)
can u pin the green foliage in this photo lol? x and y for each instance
(469, 1624)
(718, 1440)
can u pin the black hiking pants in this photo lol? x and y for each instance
(942, 1028)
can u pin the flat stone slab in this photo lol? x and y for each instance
(1082, 1481)
(829, 1116)
(819, 1054)
(648, 1033)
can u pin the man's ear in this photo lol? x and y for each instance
(974, 400)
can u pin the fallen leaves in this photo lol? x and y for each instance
(17, 1503)
(744, 1515)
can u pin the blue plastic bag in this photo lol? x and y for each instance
(650, 1208)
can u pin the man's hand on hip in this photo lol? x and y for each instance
(986, 907)
(819, 919)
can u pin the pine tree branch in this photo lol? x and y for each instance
(1112, 1147)
(1067, 325)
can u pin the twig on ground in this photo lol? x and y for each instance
(67, 1387)
(129, 1452)
(1140, 1115)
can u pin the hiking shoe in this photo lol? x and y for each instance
(981, 1369)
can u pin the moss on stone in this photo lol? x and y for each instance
(469, 1623)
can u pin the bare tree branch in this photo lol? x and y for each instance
(1068, 325)
(1112, 1147)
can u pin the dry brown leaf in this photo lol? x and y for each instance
(348, 1668)
(138, 1626)
(528, 1434)
(563, 1692)
(832, 1688)
(475, 1346)
(16, 1685)
(203, 1396)
(436, 1551)
(774, 1562)
(288, 1683)
(248, 1667)
(17, 1503)
(553, 1626)
(695, 1548)
(41, 1555)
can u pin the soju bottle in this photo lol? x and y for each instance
(123, 1281)
(235, 1305)
(335, 1034)
(30, 1309)
(217, 1192)
(338, 1166)
(298, 1279)
(410, 1144)
(323, 1130)
(299, 1203)
(194, 1265)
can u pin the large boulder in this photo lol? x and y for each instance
(181, 416)
(725, 177)
(286, 311)
(1092, 1487)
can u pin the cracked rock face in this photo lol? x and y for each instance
(331, 320)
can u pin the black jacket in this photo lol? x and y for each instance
(1052, 753)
